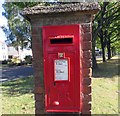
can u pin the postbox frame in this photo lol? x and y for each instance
(76, 45)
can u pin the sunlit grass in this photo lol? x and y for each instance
(105, 88)
(17, 96)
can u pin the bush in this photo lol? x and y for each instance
(4, 62)
(28, 59)
(14, 61)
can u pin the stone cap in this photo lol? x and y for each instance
(60, 8)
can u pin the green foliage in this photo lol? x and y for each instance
(106, 26)
(28, 59)
(18, 30)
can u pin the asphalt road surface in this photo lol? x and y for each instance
(10, 73)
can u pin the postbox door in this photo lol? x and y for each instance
(60, 92)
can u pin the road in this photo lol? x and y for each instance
(10, 73)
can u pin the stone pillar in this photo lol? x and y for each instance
(74, 13)
(38, 69)
(86, 72)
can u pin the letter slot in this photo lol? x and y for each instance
(61, 40)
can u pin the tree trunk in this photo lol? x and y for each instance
(102, 39)
(103, 52)
(108, 48)
(111, 51)
(102, 45)
(94, 62)
(107, 43)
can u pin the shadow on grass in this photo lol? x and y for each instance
(107, 69)
(18, 87)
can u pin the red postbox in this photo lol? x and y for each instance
(62, 77)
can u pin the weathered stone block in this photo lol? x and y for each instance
(87, 36)
(86, 107)
(35, 39)
(86, 81)
(86, 27)
(86, 45)
(86, 63)
(37, 48)
(86, 72)
(87, 54)
(38, 90)
(36, 30)
(39, 107)
(39, 97)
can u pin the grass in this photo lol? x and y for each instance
(17, 96)
(105, 87)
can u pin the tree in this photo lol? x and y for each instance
(100, 32)
(106, 27)
(111, 24)
(18, 30)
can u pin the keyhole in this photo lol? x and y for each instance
(54, 84)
